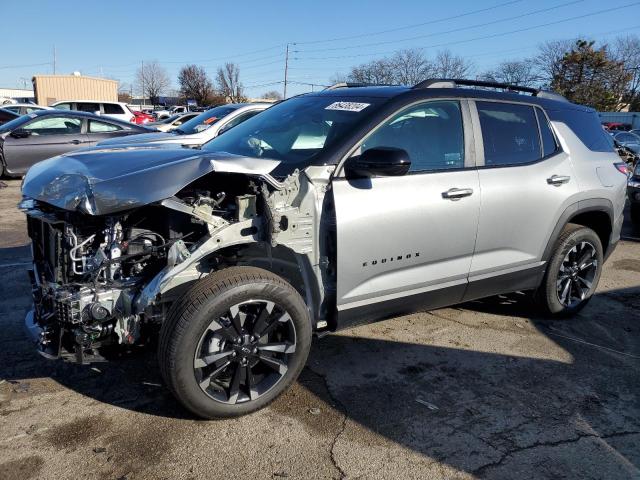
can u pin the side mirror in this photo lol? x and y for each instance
(379, 161)
(20, 133)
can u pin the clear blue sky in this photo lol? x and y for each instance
(112, 37)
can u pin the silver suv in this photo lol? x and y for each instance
(324, 211)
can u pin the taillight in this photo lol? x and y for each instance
(133, 120)
(622, 167)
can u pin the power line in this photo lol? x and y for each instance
(7, 67)
(459, 29)
(415, 25)
(483, 37)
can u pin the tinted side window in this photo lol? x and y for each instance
(509, 132)
(63, 106)
(586, 126)
(431, 133)
(549, 145)
(113, 108)
(88, 107)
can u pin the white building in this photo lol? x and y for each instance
(19, 94)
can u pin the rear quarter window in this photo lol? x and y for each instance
(586, 126)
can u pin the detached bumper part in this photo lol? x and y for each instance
(46, 346)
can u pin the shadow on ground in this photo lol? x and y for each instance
(480, 412)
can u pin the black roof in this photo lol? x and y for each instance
(420, 93)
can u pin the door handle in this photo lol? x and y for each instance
(558, 180)
(457, 193)
(75, 142)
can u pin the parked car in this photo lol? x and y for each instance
(117, 110)
(160, 113)
(141, 118)
(46, 133)
(617, 126)
(628, 140)
(24, 108)
(327, 210)
(173, 122)
(633, 192)
(200, 129)
(7, 115)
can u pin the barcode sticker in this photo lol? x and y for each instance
(348, 106)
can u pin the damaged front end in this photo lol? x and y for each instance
(108, 279)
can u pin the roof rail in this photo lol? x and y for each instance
(356, 84)
(455, 82)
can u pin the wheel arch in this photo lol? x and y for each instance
(596, 214)
(279, 260)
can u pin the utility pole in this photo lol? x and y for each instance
(286, 71)
(142, 78)
(54, 59)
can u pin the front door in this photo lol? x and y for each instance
(406, 242)
(45, 137)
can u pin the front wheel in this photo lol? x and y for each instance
(572, 273)
(234, 342)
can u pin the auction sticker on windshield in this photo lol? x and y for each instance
(348, 106)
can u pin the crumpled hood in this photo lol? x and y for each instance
(140, 138)
(109, 180)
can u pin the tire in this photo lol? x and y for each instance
(234, 342)
(635, 214)
(577, 284)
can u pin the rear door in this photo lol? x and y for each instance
(406, 242)
(48, 136)
(526, 182)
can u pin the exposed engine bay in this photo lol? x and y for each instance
(105, 280)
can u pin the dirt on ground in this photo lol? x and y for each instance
(489, 389)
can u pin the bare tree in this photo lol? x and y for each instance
(377, 71)
(195, 84)
(124, 92)
(272, 95)
(548, 61)
(515, 72)
(152, 80)
(448, 65)
(338, 78)
(627, 50)
(228, 80)
(410, 66)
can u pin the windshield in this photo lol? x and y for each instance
(296, 130)
(206, 119)
(168, 120)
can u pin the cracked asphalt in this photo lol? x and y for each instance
(485, 390)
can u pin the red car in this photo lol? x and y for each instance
(140, 118)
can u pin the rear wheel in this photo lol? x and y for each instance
(234, 342)
(573, 272)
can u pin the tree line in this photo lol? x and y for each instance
(601, 75)
(605, 77)
(152, 80)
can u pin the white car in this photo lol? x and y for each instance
(173, 122)
(118, 110)
(200, 129)
(24, 108)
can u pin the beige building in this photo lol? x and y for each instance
(54, 88)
